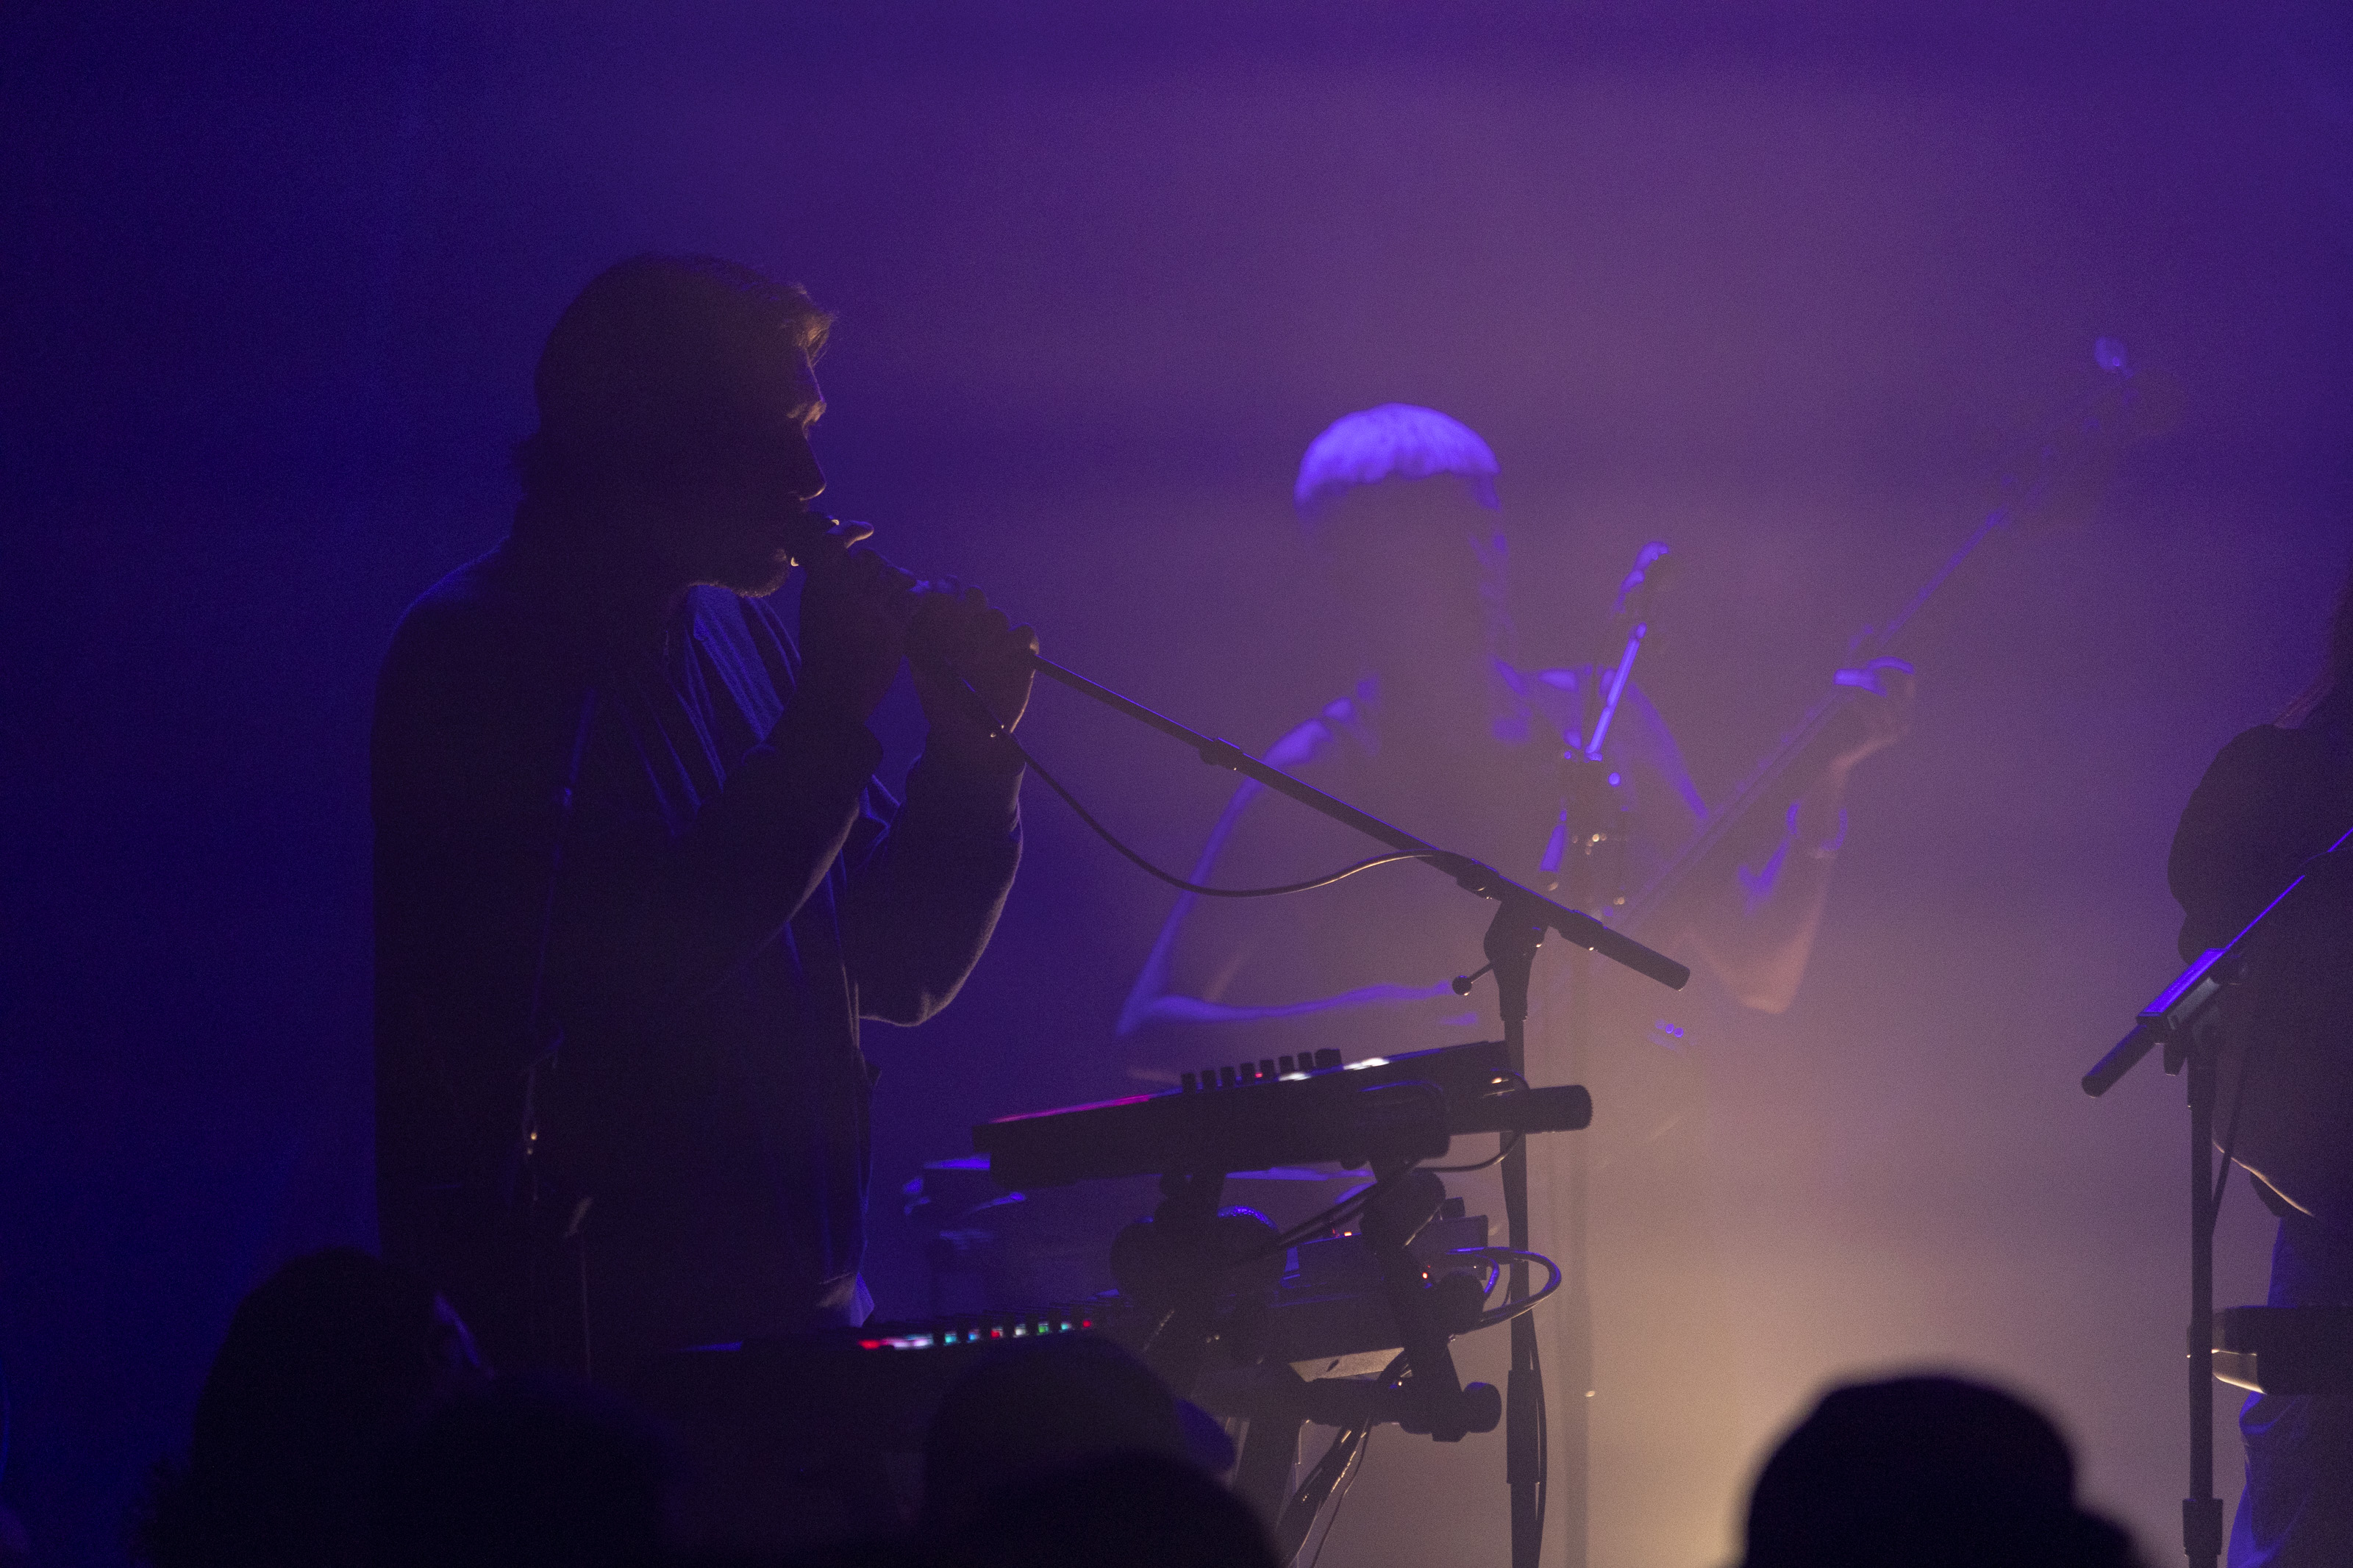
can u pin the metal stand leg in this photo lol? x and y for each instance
(1270, 1451)
(1511, 946)
(2201, 1511)
(1572, 1320)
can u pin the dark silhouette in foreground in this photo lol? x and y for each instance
(1924, 1472)
(2274, 797)
(326, 1364)
(527, 1473)
(1128, 1510)
(1036, 1410)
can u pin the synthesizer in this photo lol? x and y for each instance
(1282, 1111)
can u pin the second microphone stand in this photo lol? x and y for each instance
(2186, 1019)
(1521, 920)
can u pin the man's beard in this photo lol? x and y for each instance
(754, 575)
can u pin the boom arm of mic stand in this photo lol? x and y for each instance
(1573, 925)
(2121, 1060)
(2185, 1000)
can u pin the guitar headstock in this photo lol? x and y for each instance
(2064, 475)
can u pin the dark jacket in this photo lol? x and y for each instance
(728, 893)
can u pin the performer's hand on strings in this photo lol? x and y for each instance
(957, 628)
(1884, 716)
(855, 610)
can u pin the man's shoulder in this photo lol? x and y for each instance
(477, 594)
(2269, 773)
(2267, 770)
(473, 631)
(2271, 797)
(2272, 748)
(466, 608)
(475, 701)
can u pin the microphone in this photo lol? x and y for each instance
(804, 531)
(805, 538)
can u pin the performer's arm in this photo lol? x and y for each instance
(477, 726)
(928, 879)
(753, 856)
(740, 873)
(472, 753)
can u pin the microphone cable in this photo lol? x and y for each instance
(941, 665)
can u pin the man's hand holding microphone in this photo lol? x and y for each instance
(861, 615)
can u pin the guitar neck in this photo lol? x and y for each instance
(1741, 819)
(2068, 469)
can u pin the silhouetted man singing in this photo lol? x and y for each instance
(636, 885)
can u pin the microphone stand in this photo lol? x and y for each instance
(1510, 948)
(2185, 1018)
(1577, 847)
(1521, 918)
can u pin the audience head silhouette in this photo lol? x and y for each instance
(325, 1364)
(527, 1473)
(1122, 1510)
(1924, 1472)
(1034, 1409)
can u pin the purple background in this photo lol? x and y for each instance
(1775, 282)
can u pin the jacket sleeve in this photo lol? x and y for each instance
(927, 879)
(733, 878)
(475, 747)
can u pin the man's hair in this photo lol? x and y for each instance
(632, 382)
(1397, 440)
(1344, 485)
